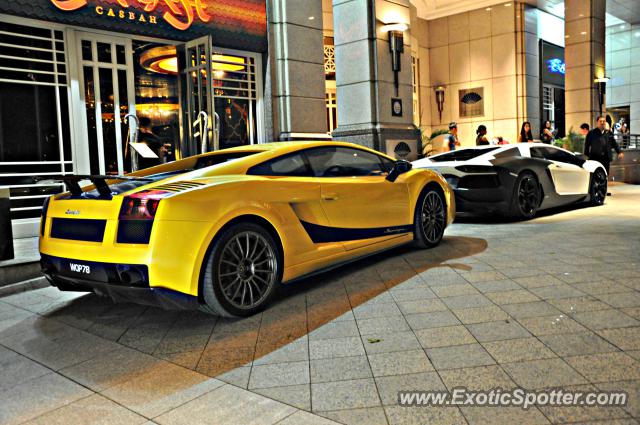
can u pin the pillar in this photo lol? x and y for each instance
(365, 80)
(295, 70)
(584, 58)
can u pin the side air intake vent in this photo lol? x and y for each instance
(178, 186)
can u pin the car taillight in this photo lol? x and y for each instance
(43, 220)
(142, 205)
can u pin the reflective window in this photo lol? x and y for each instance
(34, 115)
(509, 153)
(293, 165)
(156, 99)
(462, 154)
(537, 153)
(554, 154)
(210, 160)
(344, 162)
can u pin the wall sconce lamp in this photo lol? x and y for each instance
(440, 99)
(396, 47)
(601, 85)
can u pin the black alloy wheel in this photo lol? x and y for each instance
(242, 271)
(598, 189)
(527, 196)
(430, 218)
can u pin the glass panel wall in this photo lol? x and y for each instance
(34, 115)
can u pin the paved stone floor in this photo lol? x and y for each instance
(553, 302)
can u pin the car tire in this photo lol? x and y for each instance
(527, 196)
(598, 187)
(242, 271)
(430, 218)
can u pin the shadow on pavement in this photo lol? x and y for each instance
(214, 346)
(483, 219)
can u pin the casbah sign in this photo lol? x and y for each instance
(236, 24)
(180, 14)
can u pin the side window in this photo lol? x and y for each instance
(554, 154)
(387, 164)
(509, 153)
(538, 153)
(293, 165)
(344, 162)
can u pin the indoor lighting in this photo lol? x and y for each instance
(601, 85)
(396, 47)
(488, 9)
(395, 27)
(163, 60)
(439, 99)
(507, 4)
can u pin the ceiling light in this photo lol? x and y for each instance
(488, 9)
(507, 4)
(163, 60)
(311, 18)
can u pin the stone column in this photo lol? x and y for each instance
(584, 58)
(296, 69)
(364, 75)
(528, 67)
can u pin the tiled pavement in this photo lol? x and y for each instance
(554, 302)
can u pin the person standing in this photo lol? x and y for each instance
(547, 133)
(481, 138)
(148, 137)
(599, 142)
(617, 127)
(525, 133)
(452, 137)
(584, 129)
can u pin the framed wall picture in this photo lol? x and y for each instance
(471, 102)
(396, 107)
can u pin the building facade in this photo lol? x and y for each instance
(80, 79)
(77, 77)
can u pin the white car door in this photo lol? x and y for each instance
(568, 175)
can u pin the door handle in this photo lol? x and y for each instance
(330, 196)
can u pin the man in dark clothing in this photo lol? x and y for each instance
(452, 137)
(599, 143)
(147, 136)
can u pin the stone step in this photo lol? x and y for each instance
(18, 272)
(25, 265)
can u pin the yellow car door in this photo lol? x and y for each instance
(362, 207)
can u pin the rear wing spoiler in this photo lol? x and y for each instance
(72, 182)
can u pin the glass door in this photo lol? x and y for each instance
(106, 89)
(197, 108)
(219, 97)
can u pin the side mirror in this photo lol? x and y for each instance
(401, 166)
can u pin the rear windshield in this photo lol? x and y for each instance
(209, 160)
(462, 154)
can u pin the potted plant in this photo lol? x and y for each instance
(427, 140)
(572, 142)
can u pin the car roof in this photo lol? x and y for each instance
(285, 147)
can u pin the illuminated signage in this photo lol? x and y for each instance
(180, 14)
(237, 24)
(556, 66)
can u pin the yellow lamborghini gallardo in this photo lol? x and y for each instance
(219, 231)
